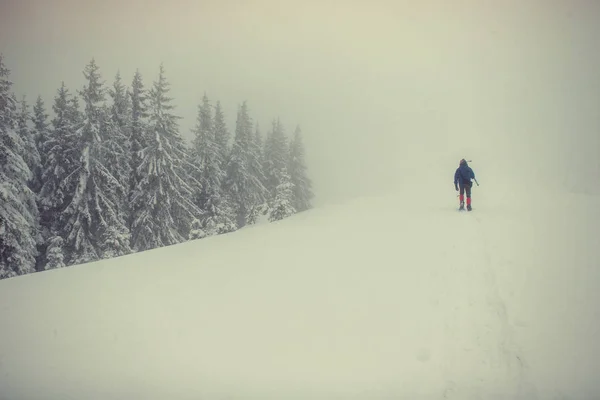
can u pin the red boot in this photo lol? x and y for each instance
(469, 204)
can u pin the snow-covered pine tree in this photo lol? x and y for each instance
(204, 153)
(207, 155)
(138, 136)
(18, 213)
(60, 151)
(117, 154)
(74, 113)
(244, 176)
(258, 141)
(256, 169)
(30, 151)
(275, 157)
(297, 169)
(54, 253)
(40, 134)
(257, 148)
(32, 157)
(121, 107)
(162, 201)
(222, 135)
(223, 138)
(41, 126)
(282, 206)
(94, 227)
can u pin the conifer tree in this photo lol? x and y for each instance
(117, 154)
(207, 155)
(222, 135)
(18, 213)
(275, 157)
(162, 201)
(138, 127)
(40, 124)
(257, 148)
(32, 157)
(94, 227)
(258, 142)
(61, 152)
(282, 206)
(244, 172)
(41, 132)
(54, 253)
(302, 185)
(30, 151)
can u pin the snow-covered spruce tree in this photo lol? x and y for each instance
(94, 228)
(257, 148)
(162, 201)
(138, 136)
(54, 253)
(30, 151)
(219, 215)
(61, 153)
(18, 213)
(258, 142)
(275, 157)
(204, 153)
(207, 155)
(256, 169)
(41, 126)
(297, 169)
(74, 113)
(244, 176)
(41, 133)
(282, 206)
(223, 138)
(138, 123)
(222, 135)
(117, 148)
(31, 156)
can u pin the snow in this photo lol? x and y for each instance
(395, 296)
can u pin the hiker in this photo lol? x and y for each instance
(462, 179)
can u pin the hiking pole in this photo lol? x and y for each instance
(476, 181)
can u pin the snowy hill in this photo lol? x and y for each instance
(397, 296)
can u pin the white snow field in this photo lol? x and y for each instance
(392, 297)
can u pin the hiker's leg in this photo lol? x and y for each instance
(468, 190)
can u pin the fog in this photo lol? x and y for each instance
(386, 92)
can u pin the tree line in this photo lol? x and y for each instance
(110, 174)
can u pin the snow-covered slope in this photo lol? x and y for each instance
(397, 296)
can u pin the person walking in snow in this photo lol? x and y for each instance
(462, 179)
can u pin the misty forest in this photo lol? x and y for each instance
(109, 173)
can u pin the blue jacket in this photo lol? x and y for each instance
(463, 174)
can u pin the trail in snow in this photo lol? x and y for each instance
(477, 354)
(480, 344)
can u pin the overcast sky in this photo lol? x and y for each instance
(386, 92)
